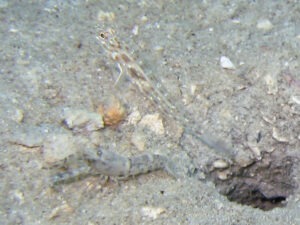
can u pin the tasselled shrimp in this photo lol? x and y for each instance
(173, 110)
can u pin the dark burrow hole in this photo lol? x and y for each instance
(265, 184)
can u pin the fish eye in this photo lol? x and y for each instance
(102, 35)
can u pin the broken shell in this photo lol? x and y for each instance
(152, 212)
(226, 63)
(270, 120)
(220, 164)
(60, 211)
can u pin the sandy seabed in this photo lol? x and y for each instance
(52, 61)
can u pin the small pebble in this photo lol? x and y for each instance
(51, 93)
(138, 139)
(3, 4)
(18, 195)
(278, 137)
(223, 175)
(134, 117)
(295, 99)
(135, 30)
(106, 16)
(272, 84)
(17, 116)
(220, 164)
(255, 150)
(243, 158)
(264, 24)
(270, 149)
(154, 123)
(58, 147)
(144, 19)
(158, 49)
(82, 120)
(29, 136)
(226, 63)
(193, 89)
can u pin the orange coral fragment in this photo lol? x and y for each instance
(113, 114)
